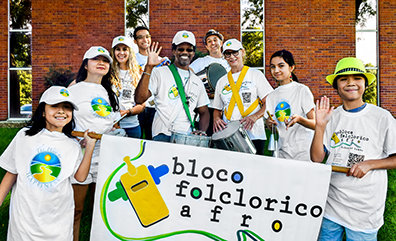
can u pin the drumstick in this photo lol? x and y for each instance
(269, 115)
(90, 134)
(340, 169)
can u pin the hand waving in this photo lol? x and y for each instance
(153, 54)
(323, 111)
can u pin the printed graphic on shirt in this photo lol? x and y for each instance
(173, 93)
(227, 88)
(347, 139)
(246, 97)
(45, 167)
(282, 111)
(101, 107)
(354, 158)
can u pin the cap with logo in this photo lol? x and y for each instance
(122, 40)
(57, 94)
(184, 36)
(95, 51)
(232, 44)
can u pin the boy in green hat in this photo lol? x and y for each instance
(360, 136)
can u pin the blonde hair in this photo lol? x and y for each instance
(133, 67)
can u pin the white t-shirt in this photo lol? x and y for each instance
(42, 204)
(201, 63)
(254, 86)
(358, 203)
(170, 114)
(94, 113)
(126, 99)
(283, 102)
(141, 59)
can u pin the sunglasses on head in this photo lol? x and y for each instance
(183, 49)
(227, 54)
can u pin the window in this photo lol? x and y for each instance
(136, 14)
(367, 43)
(19, 58)
(252, 30)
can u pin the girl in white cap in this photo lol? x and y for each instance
(40, 162)
(98, 109)
(291, 106)
(238, 95)
(125, 77)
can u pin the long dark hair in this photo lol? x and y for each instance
(106, 83)
(288, 58)
(38, 122)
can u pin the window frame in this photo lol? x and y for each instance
(9, 68)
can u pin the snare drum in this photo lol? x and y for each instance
(191, 139)
(233, 138)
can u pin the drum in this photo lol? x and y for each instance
(210, 75)
(191, 139)
(214, 72)
(233, 138)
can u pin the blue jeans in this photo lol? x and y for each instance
(134, 132)
(162, 137)
(331, 231)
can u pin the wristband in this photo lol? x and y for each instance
(146, 73)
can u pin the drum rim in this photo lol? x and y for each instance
(229, 124)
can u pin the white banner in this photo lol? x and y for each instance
(150, 190)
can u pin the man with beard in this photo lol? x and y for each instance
(177, 91)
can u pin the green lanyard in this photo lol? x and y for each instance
(182, 94)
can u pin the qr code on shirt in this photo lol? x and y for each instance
(354, 158)
(246, 97)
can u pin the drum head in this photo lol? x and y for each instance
(230, 129)
(214, 73)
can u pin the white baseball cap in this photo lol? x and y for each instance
(184, 36)
(232, 44)
(57, 94)
(122, 40)
(95, 51)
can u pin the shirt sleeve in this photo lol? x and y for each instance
(7, 159)
(154, 81)
(217, 102)
(307, 100)
(390, 135)
(263, 86)
(203, 98)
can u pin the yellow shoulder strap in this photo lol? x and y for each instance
(236, 97)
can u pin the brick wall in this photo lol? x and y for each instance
(64, 30)
(318, 33)
(197, 16)
(387, 55)
(3, 60)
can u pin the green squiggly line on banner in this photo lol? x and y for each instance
(120, 237)
(248, 233)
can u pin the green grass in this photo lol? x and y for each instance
(386, 233)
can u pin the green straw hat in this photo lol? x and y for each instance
(350, 65)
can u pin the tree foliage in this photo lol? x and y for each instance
(20, 14)
(253, 15)
(253, 45)
(137, 11)
(363, 11)
(370, 94)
